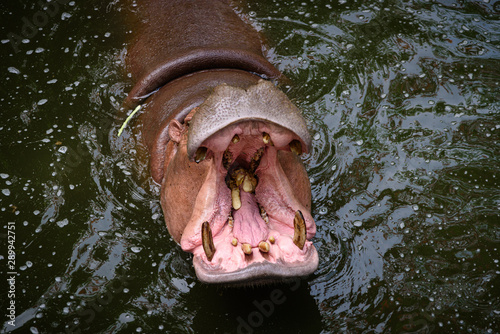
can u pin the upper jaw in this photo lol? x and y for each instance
(229, 105)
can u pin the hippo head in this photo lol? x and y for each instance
(235, 192)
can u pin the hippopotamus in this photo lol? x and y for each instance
(223, 141)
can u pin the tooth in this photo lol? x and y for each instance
(201, 154)
(264, 247)
(299, 227)
(272, 240)
(263, 214)
(296, 147)
(249, 184)
(239, 176)
(254, 163)
(266, 138)
(234, 242)
(235, 139)
(227, 158)
(247, 249)
(230, 221)
(235, 197)
(208, 241)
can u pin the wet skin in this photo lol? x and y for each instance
(224, 143)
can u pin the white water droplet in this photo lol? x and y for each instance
(62, 223)
(135, 249)
(13, 70)
(358, 223)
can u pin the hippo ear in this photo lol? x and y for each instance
(175, 129)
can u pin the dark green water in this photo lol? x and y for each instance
(402, 99)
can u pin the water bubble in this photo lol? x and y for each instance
(6, 192)
(13, 70)
(415, 207)
(4, 176)
(34, 330)
(42, 102)
(63, 149)
(323, 211)
(62, 223)
(65, 16)
(52, 81)
(357, 223)
(136, 249)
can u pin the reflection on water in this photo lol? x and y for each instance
(402, 99)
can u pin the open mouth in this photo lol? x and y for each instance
(251, 222)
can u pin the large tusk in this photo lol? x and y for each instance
(299, 227)
(235, 198)
(208, 241)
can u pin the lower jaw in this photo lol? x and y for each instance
(264, 272)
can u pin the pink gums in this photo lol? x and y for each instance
(249, 227)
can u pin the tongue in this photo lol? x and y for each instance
(249, 227)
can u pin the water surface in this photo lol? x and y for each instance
(402, 99)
